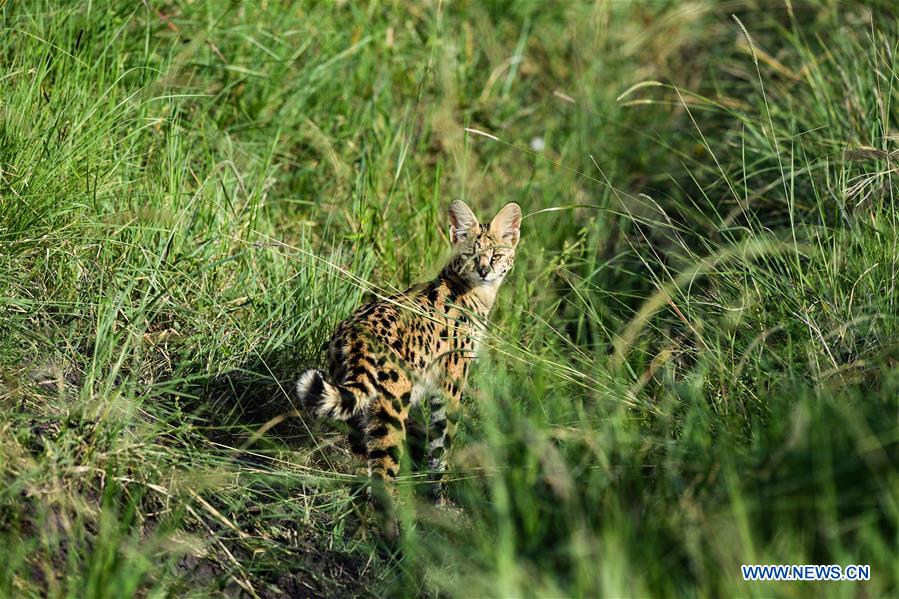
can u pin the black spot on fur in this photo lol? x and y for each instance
(347, 401)
(379, 431)
(377, 454)
(355, 436)
(391, 452)
(383, 390)
(388, 419)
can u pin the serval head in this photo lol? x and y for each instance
(483, 254)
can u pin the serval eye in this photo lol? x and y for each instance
(496, 258)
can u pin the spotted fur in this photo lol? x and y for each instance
(414, 347)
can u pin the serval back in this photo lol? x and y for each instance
(414, 347)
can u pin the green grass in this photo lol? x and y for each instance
(692, 366)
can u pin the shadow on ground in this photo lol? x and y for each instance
(253, 414)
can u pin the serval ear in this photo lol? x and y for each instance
(507, 224)
(463, 223)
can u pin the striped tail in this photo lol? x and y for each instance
(327, 400)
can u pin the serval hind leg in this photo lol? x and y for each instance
(385, 435)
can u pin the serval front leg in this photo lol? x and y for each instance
(446, 408)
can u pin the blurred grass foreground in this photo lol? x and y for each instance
(693, 365)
